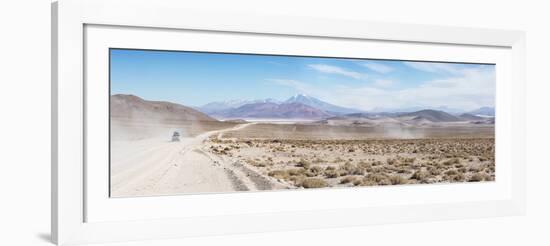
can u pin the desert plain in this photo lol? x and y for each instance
(230, 155)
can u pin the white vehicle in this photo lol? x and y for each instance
(176, 137)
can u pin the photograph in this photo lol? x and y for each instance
(194, 122)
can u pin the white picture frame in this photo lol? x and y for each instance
(79, 216)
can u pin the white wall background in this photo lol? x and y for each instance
(25, 122)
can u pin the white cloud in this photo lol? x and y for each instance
(329, 69)
(468, 89)
(434, 67)
(472, 89)
(383, 82)
(377, 67)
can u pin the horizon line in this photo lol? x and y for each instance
(387, 110)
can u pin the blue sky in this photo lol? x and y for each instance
(194, 79)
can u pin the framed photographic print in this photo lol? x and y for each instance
(171, 125)
(294, 122)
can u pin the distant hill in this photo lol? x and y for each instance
(454, 111)
(485, 111)
(216, 107)
(432, 115)
(133, 107)
(269, 110)
(372, 115)
(467, 116)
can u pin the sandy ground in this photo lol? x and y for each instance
(315, 156)
(156, 166)
(216, 157)
(337, 163)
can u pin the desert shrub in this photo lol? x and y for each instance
(347, 179)
(309, 173)
(348, 166)
(435, 171)
(396, 179)
(451, 172)
(331, 173)
(295, 172)
(402, 170)
(409, 160)
(377, 170)
(420, 175)
(318, 160)
(357, 182)
(303, 163)
(474, 169)
(255, 163)
(458, 177)
(316, 169)
(358, 171)
(437, 165)
(366, 182)
(476, 177)
(314, 183)
(330, 168)
(452, 161)
(343, 172)
(279, 174)
(297, 179)
(378, 179)
(391, 161)
(363, 164)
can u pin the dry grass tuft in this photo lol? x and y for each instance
(396, 179)
(348, 179)
(313, 183)
(420, 175)
(303, 163)
(377, 179)
(480, 176)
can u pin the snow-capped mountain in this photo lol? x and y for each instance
(298, 106)
(316, 103)
(269, 110)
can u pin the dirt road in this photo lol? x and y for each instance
(160, 167)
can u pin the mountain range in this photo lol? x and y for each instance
(417, 118)
(306, 107)
(297, 107)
